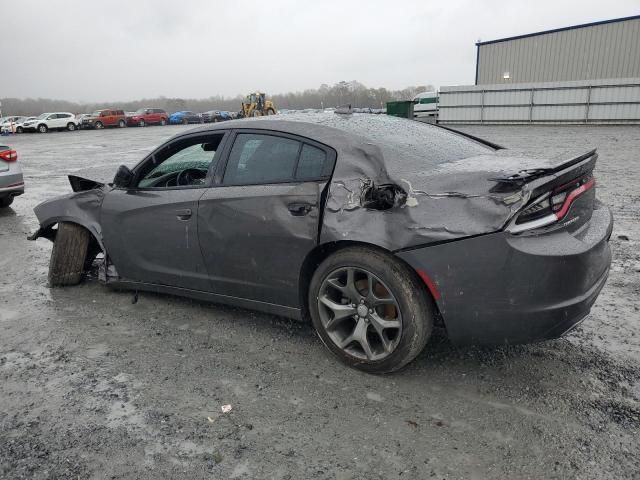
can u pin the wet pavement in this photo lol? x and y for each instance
(96, 385)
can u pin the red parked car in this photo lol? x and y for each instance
(148, 116)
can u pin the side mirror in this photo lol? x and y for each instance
(123, 178)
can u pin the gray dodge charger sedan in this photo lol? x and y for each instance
(375, 228)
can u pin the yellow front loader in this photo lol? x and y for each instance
(256, 105)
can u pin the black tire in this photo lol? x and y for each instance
(122, 124)
(185, 121)
(20, 130)
(98, 125)
(71, 126)
(416, 308)
(5, 202)
(141, 123)
(68, 255)
(42, 128)
(163, 122)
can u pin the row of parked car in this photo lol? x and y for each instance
(107, 118)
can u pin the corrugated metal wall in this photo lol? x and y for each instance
(606, 50)
(595, 101)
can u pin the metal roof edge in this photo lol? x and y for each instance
(563, 29)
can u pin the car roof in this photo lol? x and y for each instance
(398, 138)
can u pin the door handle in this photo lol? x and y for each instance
(184, 214)
(299, 209)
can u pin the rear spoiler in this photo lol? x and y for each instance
(524, 176)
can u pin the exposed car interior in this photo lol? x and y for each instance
(183, 163)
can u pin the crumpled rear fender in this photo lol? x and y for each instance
(82, 208)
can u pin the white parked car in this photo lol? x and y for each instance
(14, 126)
(51, 121)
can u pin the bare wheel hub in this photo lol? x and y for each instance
(359, 313)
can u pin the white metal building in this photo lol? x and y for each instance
(593, 51)
(582, 74)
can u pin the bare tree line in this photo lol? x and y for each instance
(342, 93)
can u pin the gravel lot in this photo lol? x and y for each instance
(93, 385)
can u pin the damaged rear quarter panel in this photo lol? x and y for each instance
(393, 187)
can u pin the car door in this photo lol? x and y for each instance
(150, 229)
(63, 119)
(53, 121)
(260, 221)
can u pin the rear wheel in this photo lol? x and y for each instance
(163, 122)
(185, 121)
(5, 202)
(42, 128)
(68, 255)
(141, 123)
(370, 310)
(71, 126)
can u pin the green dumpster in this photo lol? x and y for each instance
(402, 108)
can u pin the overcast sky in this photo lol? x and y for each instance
(124, 50)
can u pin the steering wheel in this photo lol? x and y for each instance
(188, 176)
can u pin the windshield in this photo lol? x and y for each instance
(142, 110)
(96, 113)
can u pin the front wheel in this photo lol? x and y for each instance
(43, 128)
(370, 310)
(141, 123)
(185, 121)
(68, 256)
(163, 122)
(99, 125)
(122, 124)
(20, 130)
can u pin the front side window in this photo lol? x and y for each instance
(258, 158)
(184, 162)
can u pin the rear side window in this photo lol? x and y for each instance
(257, 158)
(312, 164)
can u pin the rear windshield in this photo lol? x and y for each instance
(407, 146)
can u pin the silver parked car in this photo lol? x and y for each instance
(11, 181)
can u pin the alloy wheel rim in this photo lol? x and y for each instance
(360, 314)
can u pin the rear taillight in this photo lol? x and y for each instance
(560, 210)
(9, 155)
(552, 206)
